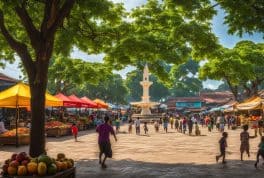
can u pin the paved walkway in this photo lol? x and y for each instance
(155, 155)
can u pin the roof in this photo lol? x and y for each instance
(217, 97)
(7, 78)
(185, 99)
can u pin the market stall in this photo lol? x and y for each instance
(17, 97)
(251, 104)
(90, 103)
(101, 103)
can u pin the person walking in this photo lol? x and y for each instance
(104, 131)
(171, 121)
(137, 125)
(190, 126)
(74, 130)
(260, 126)
(130, 123)
(184, 125)
(260, 151)
(165, 124)
(222, 145)
(244, 138)
(145, 128)
(176, 124)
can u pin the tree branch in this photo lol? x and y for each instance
(31, 30)
(18, 47)
(49, 5)
(61, 14)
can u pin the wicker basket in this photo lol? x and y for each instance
(69, 173)
(22, 140)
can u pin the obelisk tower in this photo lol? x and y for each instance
(145, 98)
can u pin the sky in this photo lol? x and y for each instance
(218, 28)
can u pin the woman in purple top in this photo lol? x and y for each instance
(104, 131)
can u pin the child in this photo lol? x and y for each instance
(74, 129)
(156, 125)
(130, 123)
(260, 151)
(209, 126)
(176, 124)
(244, 138)
(145, 127)
(223, 145)
(180, 128)
(197, 130)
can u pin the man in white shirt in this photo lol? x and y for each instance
(137, 124)
(2, 127)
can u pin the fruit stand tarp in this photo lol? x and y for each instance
(89, 102)
(101, 103)
(81, 103)
(251, 104)
(67, 102)
(19, 96)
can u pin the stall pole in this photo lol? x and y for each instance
(17, 118)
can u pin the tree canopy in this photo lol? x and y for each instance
(37, 31)
(111, 88)
(241, 66)
(185, 79)
(243, 16)
(165, 31)
(66, 74)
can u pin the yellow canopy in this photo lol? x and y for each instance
(19, 96)
(100, 103)
(250, 104)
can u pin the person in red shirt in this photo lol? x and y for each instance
(74, 129)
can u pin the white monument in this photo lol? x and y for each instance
(145, 104)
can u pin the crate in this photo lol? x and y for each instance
(11, 140)
(54, 132)
(57, 132)
(69, 173)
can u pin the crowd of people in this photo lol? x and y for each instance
(181, 124)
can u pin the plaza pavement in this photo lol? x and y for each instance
(155, 155)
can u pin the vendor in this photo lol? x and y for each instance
(2, 127)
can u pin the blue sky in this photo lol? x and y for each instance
(218, 28)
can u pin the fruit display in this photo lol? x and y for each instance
(56, 124)
(23, 165)
(20, 131)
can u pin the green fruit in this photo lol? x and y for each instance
(52, 169)
(45, 159)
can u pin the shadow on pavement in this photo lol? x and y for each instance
(137, 169)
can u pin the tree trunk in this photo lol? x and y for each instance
(38, 85)
(234, 89)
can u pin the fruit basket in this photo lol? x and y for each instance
(56, 129)
(22, 166)
(70, 173)
(22, 140)
(9, 137)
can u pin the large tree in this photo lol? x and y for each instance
(36, 30)
(185, 79)
(67, 75)
(240, 67)
(243, 16)
(111, 88)
(167, 31)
